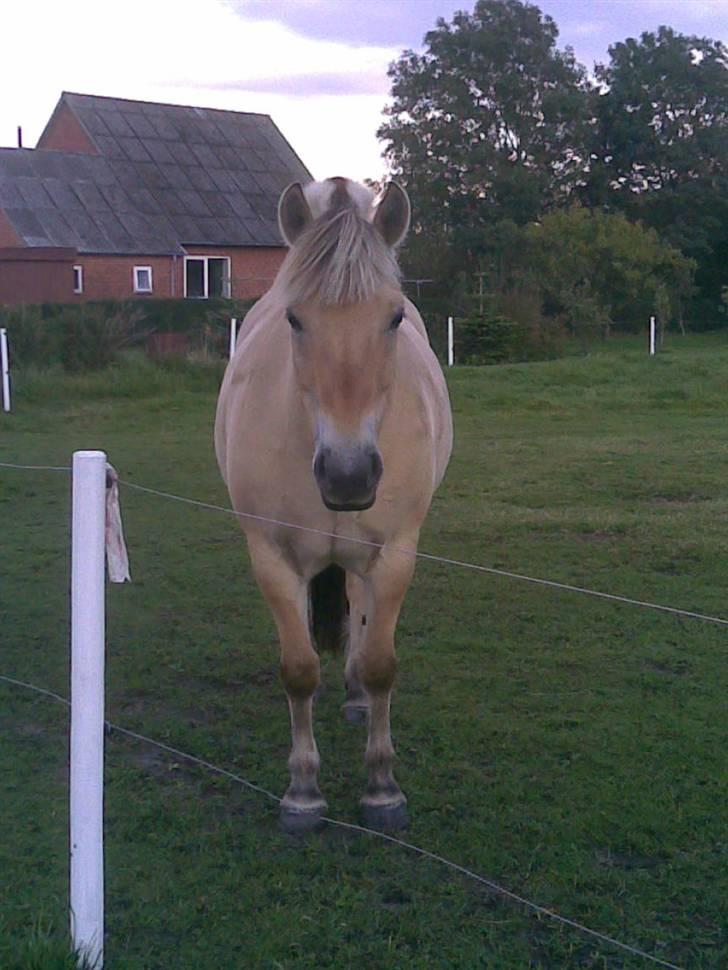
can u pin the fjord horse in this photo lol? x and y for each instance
(334, 415)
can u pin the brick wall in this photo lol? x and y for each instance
(36, 275)
(64, 133)
(111, 277)
(252, 269)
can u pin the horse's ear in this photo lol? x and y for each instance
(294, 213)
(392, 217)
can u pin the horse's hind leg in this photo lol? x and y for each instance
(383, 803)
(356, 705)
(287, 596)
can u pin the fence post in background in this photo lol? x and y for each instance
(87, 705)
(450, 342)
(233, 335)
(5, 368)
(652, 336)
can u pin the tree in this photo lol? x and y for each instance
(488, 123)
(661, 145)
(599, 270)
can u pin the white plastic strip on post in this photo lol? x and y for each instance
(117, 558)
(5, 368)
(652, 336)
(233, 335)
(87, 705)
(450, 342)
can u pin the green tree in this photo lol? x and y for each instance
(660, 151)
(599, 271)
(488, 123)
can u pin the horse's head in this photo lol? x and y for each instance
(343, 303)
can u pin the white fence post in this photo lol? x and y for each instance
(450, 342)
(87, 705)
(5, 368)
(233, 335)
(652, 336)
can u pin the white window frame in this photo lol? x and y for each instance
(226, 279)
(143, 289)
(78, 269)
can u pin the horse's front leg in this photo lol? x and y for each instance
(384, 805)
(287, 596)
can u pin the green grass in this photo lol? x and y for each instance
(569, 748)
(45, 949)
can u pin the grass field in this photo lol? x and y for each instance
(569, 748)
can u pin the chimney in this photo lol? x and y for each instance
(20, 137)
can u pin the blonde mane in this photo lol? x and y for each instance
(340, 258)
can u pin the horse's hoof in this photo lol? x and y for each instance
(355, 713)
(385, 818)
(300, 823)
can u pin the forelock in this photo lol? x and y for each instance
(340, 258)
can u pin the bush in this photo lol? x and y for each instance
(90, 338)
(486, 340)
(80, 337)
(179, 315)
(87, 336)
(538, 337)
(599, 271)
(510, 327)
(31, 340)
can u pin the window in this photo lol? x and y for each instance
(207, 276)
(142, 279)
(195, 278)
(78, 279)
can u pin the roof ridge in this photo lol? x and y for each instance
(164, 104)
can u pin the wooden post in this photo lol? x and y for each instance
(450, 342)
(652, 336)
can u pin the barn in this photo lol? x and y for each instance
(124, 199)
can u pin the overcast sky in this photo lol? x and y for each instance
(318, 67)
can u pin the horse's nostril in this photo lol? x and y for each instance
(347, 477)
(319, 465)
(377, 466)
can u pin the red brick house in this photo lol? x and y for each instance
(132, 199)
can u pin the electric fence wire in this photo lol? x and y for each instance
(383, 836)
(429, 557)
(541, 910)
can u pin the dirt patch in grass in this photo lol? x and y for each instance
(675, 668)
(680, 498)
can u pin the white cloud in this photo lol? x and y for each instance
(695, 9)
(198, 52)
(589, 28)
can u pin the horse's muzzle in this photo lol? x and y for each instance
(348, 477)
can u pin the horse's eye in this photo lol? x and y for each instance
(294, 322)
(396, 320)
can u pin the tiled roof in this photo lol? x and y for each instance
(166, 176)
